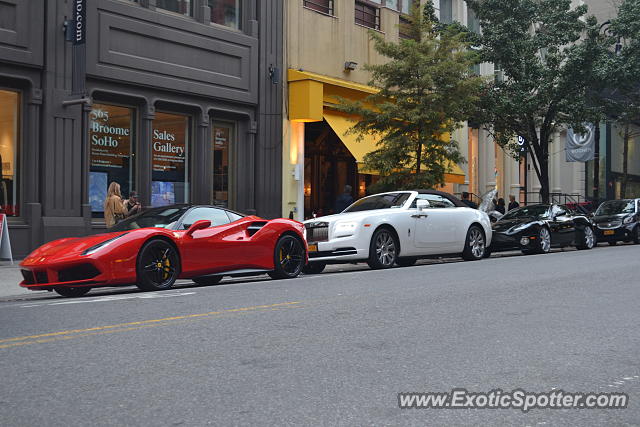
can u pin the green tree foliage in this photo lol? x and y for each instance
(547, 51)
(619, 76)
(426, 90)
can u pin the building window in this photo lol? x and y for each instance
(223, 139)
(405, 6)
(446, 11)
(473, 23)
(170, 159)
(183, 7)
(9, 125)
(403, 28)
(225, 12)
(323, 6)
(111, 153)
(367, 15)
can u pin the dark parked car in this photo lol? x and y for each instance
(537, 228)
(618, 220)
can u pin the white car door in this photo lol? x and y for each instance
(436, 227)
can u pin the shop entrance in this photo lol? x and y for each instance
(328, 167)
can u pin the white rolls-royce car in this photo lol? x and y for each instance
(397, 228)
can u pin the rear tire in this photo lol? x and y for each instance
(158, 266)
(407, 261)
(474, 245)
(314, 268)
(383, 249)
(586, 239)
(288, 258)
(207, 280)
(487, 252)
(71, 292)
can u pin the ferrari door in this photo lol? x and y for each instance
(206, 250)
(435, 227)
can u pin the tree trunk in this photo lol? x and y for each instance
(544, 179)
(596, 166)
(625, 162)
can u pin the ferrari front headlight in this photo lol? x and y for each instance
(344, 229)
(95, 248)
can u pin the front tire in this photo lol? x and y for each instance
(289, 258)
(383, 249)
(314, 268)
(207, 280)
(474, 245)
(586, 239)
(636, 235)
(158, 266)
(71, 292)
(542, 244)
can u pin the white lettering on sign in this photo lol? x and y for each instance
(163, 135)
(168, 148)
(79, 21)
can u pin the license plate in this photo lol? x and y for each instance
(313, 247)
(609, 232)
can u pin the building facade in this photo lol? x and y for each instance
(327, 45)
(181, 102)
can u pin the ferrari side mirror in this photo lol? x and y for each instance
(198, 225)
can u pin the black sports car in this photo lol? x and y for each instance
(618, 220)
(538, 228)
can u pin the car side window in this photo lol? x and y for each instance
(216, 216)
(638, 206)
(234, 216)
(557, 211)
(435, 201)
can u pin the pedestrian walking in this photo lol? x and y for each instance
(466, 199)
(114, 208)
(344, 200)
(512, 202)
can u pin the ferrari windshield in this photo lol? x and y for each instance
(535, 211)
(379, 201)
(164, 217)
(615, 207)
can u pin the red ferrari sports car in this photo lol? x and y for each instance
(158, 246)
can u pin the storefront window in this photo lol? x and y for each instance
(170, 154)
(111, 152)
(225, 12)
(9, 185)
(183, 7)
(223, 135)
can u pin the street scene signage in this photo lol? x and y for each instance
(580, 147)
(79, 30)
(5, 244)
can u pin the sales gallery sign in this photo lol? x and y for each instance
(169, 143)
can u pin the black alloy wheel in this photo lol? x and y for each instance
(289, 258)
(207, 280)
(586, 239)
(475, 244)
(314, 268)
(158, 265)
(71, 292)
(407, 261)
(383, 249)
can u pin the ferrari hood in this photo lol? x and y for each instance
(67, 247)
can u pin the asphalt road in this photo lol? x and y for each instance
(331, 349)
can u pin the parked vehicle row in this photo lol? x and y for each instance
(205, 243)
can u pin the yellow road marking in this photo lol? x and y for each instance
(140, 323)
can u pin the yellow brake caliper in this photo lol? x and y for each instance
(167, 264)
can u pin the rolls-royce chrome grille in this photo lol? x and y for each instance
(317, 231)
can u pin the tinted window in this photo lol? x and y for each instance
(159, 217)
(616, 207)
(536, 211)
(234, 216)
(435, 201)
(379, 201)
(558, 211)
(216, 216)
